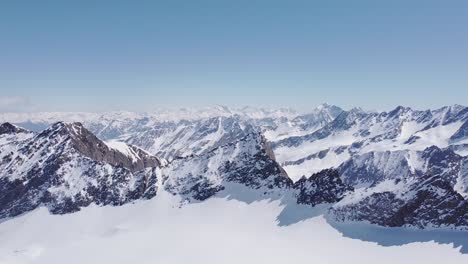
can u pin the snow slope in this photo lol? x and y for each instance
(216, 231)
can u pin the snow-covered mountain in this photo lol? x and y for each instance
(404, 167)
(414, 188)
(183, 132)
(248, 161)
(358, 132)
(104, 124)
(66, 167)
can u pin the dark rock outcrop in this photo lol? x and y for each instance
(8, 128)
(248, 162)
(89, 145)
(322, 187)
(429, 202)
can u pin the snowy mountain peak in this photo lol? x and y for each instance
(326, 107)
(323, 105)
(323, 187)
(73, 129)
(399, 110)
(357, 111)
(402, 158)
(8, 128)
(66, 167)
(81, 139)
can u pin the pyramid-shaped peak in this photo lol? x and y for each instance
(8, 128)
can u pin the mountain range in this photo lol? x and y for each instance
(401, 168)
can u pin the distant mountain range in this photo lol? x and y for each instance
(404, 167)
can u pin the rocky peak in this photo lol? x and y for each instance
(450, 114)
(374, 167)
(442, 162)
(8, 128)
(325, 186)
(346, 119)
(248, 161)
(85, 142)
(328, 108)
(319, 117)
(398, 111)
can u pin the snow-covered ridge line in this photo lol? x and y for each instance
(160, 114)
(414, 150)
(84, 141)
(356, 133)
(177, 114)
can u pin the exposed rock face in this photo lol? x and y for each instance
(344, 121)
(434, 196)
(8, 128)
(432, 202)
(66, 167)
(444, 163)
(397, 168)
(461, 133)
(52, 187)
(56, 169)
(322, 187)
(248, 162)
(374, 167)
(251, 163)
(358, 132)
(170, 140)
(90, 146)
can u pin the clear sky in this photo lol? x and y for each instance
(139, 55)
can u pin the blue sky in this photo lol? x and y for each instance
(140, 55)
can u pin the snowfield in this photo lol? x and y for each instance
(226, 186)
(215, 231)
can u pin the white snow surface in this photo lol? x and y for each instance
(124, 149)
(331, 160)
(216, 231)
(294, 153)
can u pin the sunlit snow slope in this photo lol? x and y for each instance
(216, 231)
